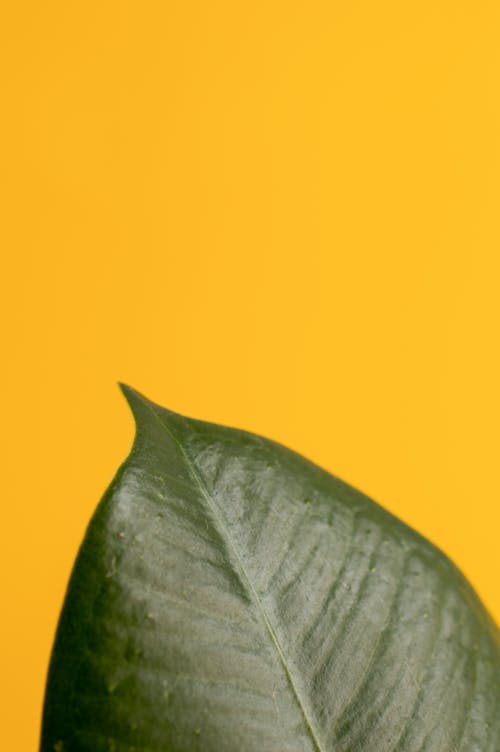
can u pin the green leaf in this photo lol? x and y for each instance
(231, 596)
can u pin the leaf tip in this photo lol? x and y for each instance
(138, 402)
(135, 400)
(127, 390)
(141, 406)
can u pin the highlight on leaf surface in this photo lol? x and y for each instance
(232, 596)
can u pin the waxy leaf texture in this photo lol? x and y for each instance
(231, 596)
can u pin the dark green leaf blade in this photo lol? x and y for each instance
(231, 596)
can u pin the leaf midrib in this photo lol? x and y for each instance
(198, 480)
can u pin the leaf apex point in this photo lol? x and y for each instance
(125, 388)
(135, 399)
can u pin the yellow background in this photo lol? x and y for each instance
(281, 216)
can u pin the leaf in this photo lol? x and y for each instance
(231, 596)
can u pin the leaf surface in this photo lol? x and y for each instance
(231, 596)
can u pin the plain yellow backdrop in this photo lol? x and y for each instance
(281, 216)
